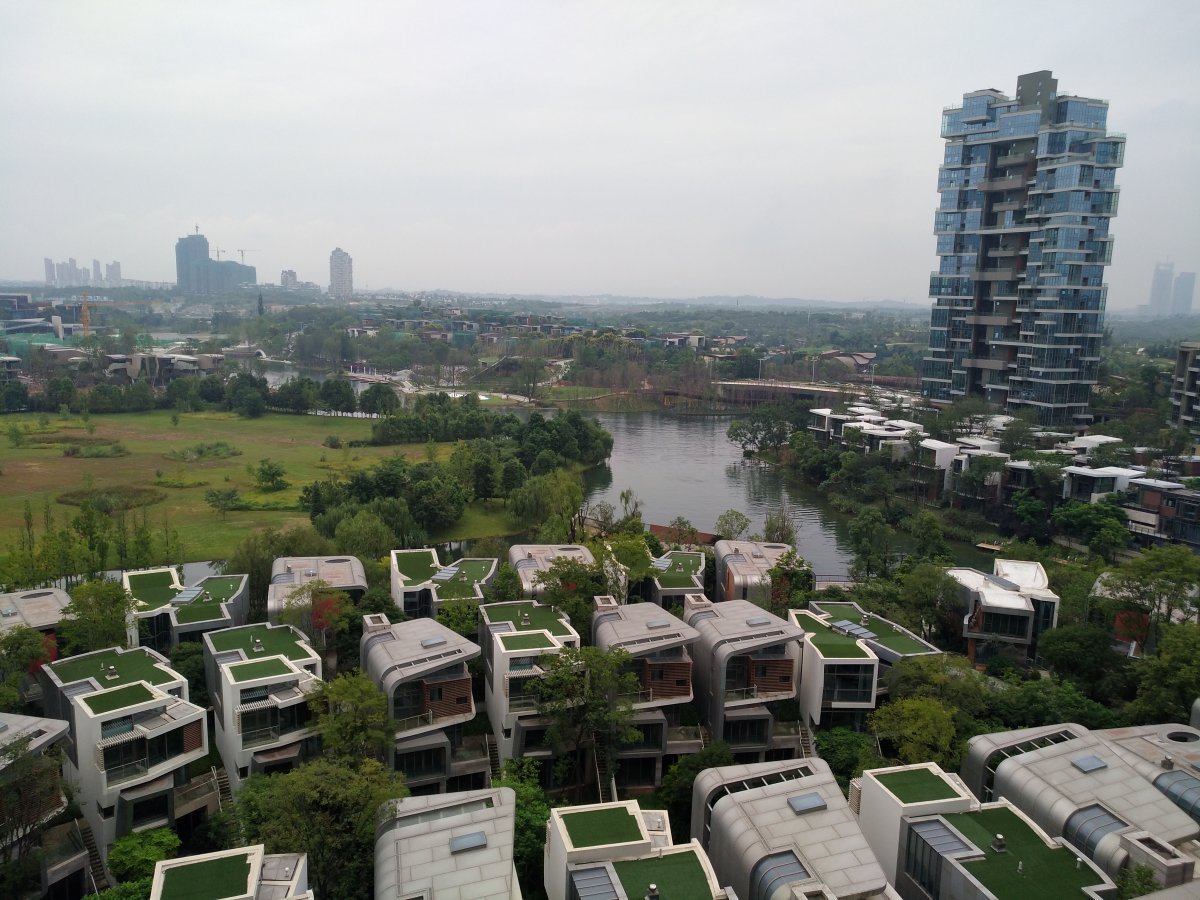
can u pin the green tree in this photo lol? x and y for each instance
(338, 394)
(512, 476)
(506, 585)
(791, 578)
(675, 791)
(778, 527)
(847, 752)
(379, 399)
(128, 890)
(32, 783)
(352, 718)
(222, 500)
(930, 605)
(920, 729)
(732, 524)
(683, 532)
(533, 812)
(97, 617)
(929, 541)
(364, 534)
(871, 541)
(1161, 583)
(248, 403)
(1082, 653)
(1169, 682)
(1136, 881)
(460, 615)
(269, 476)
(569, 585)
(133, 856)
(949, 679)
(255, 555)
(22, 650)
(326, 809)
(1048, 701)
(1099, 525)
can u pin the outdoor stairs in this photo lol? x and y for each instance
(493, 751)
(604, 781)
(95, 865)
(705, 737)
(808, 747)
(223, 790)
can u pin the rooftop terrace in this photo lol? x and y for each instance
(541, 618)
(152, 589)
(208, 879)
(679, 876)
(278, 641)
(1049, 873)
(597, 827)
(417, 566)
(831, 644)
(916, 785)
(259, 668)
(214, 591)
(129, 666)
(107, 701)
(681, 571)
(532, 641)
(470, 573)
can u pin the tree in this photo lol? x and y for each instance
(1136, 881)
(512, 476)
(920, 729)
(949, 679)
(732, 524)
(1048, 701)
(1099, 525)
(675, 791)
(569, 585)
(683, 532)
(187, 658)
(269, 476)
(364, 534)
(460, 615)
(533, 812)
(325, 809)
(317, 609)
(247, 403)
(338, 394)
(1161, 583)
(97, 617)
(506, 585)
(379, 400)
(257, 553)
(22, 651)
(222, 500)
(929, 541)
(847, 752)
(1083, 653)
(298, 395)
(1169, 683)
(871, 540)
(778, 527)
(33, 788)
(133, 856)
(790, 576)
(352, 718)
(930, 605)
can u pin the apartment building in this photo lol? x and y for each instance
(133, 735)
(783, 829)
(743, 569)
(168, 613)
(514, 637)
(1161, 512)
(235, 874)
(615, 850)
(259, 680)
(1184, 390)
(342, 573)
(659, 644)
(1007, 611)
(746, 666)
(420, 583)
(454, 846)
(930, 468)
(421, 667)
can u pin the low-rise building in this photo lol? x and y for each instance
(930, 469)
(743, 569)
(259, 678)
(421, 667)
(133, 735)
(1089, 485)
(238, 874)
(1163, 512)
(420, 583)
(168, 613)
(658, 643)
(746, 666)
(783, 829)
(676, 574)
(531, 560)
(1007, 611)
(618, 850)
(514, 637)
(456, 846)
(342, 573)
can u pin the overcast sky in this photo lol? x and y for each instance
(785, 149)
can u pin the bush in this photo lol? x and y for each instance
(119, 497)
(209, 450)
(333, 442)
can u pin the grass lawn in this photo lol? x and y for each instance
(541, 618)
(153, 589)
(221, 587)
(916, 786)
(275, 641)
(40, 473)
(417, 566)
(132, 665)
(262, 668)
(595, 827)
(534, 641)
(831, 644)
(470, 572)
(571, 392)
(226, 876)
(480, 519)
(684, 567)
(107, 701)
(895, 640)
(679, 876)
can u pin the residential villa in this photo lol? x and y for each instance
(1007, 611)
(167, 613)
(743, 569)
(420, 583)
(237, 874)
(342, 573)
(531, 560)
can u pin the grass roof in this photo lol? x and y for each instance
(221, 587)
(152, 589)
(595, 827)
(895, 640)
(916, 785)
(210, 879)
(470, 572)
(540, 617)
(679, 876)
(278, 641)
(683, 569)
(107, 701)
(532, 641)
(131, 665)
(259, 668)
(1048, 873)
(831, 644)
(417, 566)
(197, 611)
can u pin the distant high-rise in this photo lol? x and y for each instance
(1160, 290)
(197, 275)
(1027, 192)
(288, 280)
(96, 271)
(341, 274)
(1182, 294)
(112, 274)
(49, 270)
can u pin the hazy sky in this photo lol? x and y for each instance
(784, 149)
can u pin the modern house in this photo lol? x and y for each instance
(746, 664)
(1162, 512)
(930, 468)
(847, 655)
(743, 569)
(531, 560)
(618, 850)
(168, 613)
(1089, 485)
(514, 637)
(259, 679)
(40, 609)
(659, 644)
(675, 574)
(783, 829)
(453, 846)
(420, 583)
(133, 736)
(421, 667)
(1005, 612)
(238, 874)
(342, 573)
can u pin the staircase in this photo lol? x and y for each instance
(224, 793)
(705, 737)
(808, 747)
(604, 782)
(493, 752)
(98, 879)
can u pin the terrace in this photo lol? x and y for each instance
(886, 635)
(416, 566)
(532, 641)
(153, 589)
(113, 668)
(108, 701)
(260, 668)
(278, 641)
(206, 605)
(831, 644)
(528, 617)
(208, 879)
(470, 572)
(916, 785)
(679, 876)
(680, 569)
(598, 827)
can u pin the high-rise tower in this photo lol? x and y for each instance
(1159, 304)
(341, 274)
(1027, 192)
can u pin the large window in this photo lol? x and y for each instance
(421, 763)
(745, 731)
(849, 684)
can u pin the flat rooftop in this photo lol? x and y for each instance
(640, 628)
(40, 608)
(206, 605)
(541, 618)
(679, 876)
(598, 827)
(916, 785)
(152, 589)
(417, 566)
(258, 668)
(215, 878)
(462, 584)
(887, 633)
(277, 641)
(832, 644)
(681, 569)
(107, 701)
(526, 641)
(1049, 872)
(128, 667)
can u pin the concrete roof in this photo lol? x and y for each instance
(1026, 574)
(531, 559)
(406, 651)
(730, 620)
(413, 850)
(628, 627)
(41, 608)
(40, 732)
(750, 559)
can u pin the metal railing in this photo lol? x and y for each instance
(259, 736)
(420, 720)
(522, 701)
(747, 693)
(644, 696)
(125, 772)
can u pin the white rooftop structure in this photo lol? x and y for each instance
(530, 560)
(275, 876)
(40, 609)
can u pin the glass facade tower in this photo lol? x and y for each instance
(1027, 191)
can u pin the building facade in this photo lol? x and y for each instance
(1027, 190)
(341, 274)
(1184, 387)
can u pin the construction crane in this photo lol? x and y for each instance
(218, 253)
(243, 253)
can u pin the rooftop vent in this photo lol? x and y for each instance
(806, 803)
(464, 842)
(110, 673)
(658, 623)
(8, 612)
(758, 620)
(433, 642)
(1089, 763)
(256, 646)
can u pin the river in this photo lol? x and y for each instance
(680, 465)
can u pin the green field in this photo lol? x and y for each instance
(39, 472)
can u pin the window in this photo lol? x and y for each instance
(657, 674)
(435, 694)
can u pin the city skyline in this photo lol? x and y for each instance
(618, 149)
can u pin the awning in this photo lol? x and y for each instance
(279, 754)
(116, 739)
(157, 786)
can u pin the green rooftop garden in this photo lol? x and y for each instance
(152, 589)
(107, 701)
(541, 618)
(895, 640)
(197, 611)
(831, 644)
(532, 641)
(262, 668)
(470, 571)
(595, 827)
(916, 786)
(132, 665)
(679, 876)
(278, 641)
(1048, 873)
(210, 879)
(221, 587)
(684, 566)
(840, 610)
(417, 566)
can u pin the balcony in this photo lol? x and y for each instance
(257, 737)
(126, 772)
(737, 695)
(522, 703)
(420, 720)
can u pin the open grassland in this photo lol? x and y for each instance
(38, 471)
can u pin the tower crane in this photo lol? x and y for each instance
(243, 253)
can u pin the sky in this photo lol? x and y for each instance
(654, 149)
